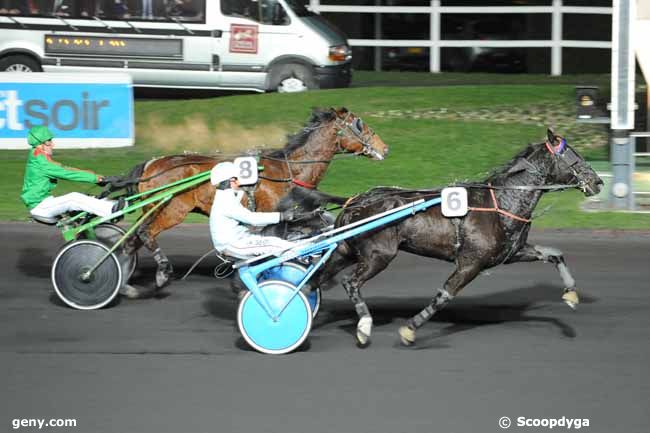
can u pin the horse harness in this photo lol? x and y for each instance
(497, 209)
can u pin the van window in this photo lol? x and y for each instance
(159, 10)
(263, 11)
(299, 7)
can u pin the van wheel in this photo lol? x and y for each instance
(292, 77)
(18, 63)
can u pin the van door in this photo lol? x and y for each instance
(185, 21)
(255, 33)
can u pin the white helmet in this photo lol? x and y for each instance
(223, 171)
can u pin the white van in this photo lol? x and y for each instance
(260, 45)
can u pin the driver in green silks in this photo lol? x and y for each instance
(42, 175)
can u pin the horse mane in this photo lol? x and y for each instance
(503, 171)
(317, 118)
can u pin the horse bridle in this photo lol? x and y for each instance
(353, 128)
(562, 153)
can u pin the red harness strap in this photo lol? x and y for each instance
(303, 184)
(550, 149)
(497, 209)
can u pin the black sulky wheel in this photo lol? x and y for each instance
(108, 234)
(86, 292)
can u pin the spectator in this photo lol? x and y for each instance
(14, 7)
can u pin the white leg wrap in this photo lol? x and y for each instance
(568, 280)
(364, 329)
(547, 252)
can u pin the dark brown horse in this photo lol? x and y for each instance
(493, 232)
(303, 162)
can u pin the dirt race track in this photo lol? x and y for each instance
(507, 346)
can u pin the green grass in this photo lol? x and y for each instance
(423, 152)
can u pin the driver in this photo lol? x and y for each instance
(228, 218)
(42, 175)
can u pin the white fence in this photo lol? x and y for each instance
(435, 10)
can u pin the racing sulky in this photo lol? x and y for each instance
(493, 232)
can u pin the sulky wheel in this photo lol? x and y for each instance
(293, 273)
(275, 335)
(108, 234)
(86, 292)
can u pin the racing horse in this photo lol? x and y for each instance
(302, 163)
(493, 232)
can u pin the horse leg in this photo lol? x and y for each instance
(532, 253)
(165, 219)
(164, 267)
(367, 268)
(131, 246)
(465, 272)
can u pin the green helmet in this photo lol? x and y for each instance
(38, 135)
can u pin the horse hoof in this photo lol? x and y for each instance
(407, 335)
(364, 329)
(130, 292)
(570, 297)
(162, 279)
(363, 341)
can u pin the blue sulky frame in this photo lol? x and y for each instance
(323, 245)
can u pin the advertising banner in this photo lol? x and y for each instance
(243, 38)
(81, 110)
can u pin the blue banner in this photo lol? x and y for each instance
(80, 110)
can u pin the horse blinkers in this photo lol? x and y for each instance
(354, 128)
(562, 153)
(570, 157)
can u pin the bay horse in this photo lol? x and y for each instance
(493, 232)
(301, 163)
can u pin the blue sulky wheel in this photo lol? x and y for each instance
(86, 292)
(293, 273)
(275, 336)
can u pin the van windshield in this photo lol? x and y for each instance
(299, 7)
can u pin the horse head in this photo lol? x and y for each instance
(355, 136)
(568, 167)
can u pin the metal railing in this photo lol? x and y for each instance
(435, 10)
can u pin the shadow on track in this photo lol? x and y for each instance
(35, 262)
(517, 305)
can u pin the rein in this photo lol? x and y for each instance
(553, 187)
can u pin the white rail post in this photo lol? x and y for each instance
(556, 36)
(378, 35)
(622, 117)
(434, 34)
